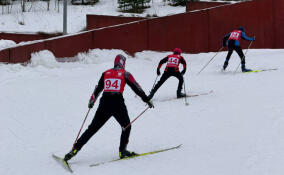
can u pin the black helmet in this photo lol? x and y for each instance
(241, 29)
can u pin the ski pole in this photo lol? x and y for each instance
(243, 56)
(124, 128)
(152, 86)
(210, 60)
(186, 103)
(154, 82)
(81, 127)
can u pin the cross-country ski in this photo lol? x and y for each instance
(164, 99)
(260, 70)
(62, 163)
(138, 155)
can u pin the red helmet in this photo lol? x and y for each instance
(119, 61)
(177, 51)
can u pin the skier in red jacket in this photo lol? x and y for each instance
(172, 69)
(112, 83)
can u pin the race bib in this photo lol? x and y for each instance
(235, 35)
(173, 61)
(112, 84)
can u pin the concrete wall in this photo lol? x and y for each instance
(193, 32)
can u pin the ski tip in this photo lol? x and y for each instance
(261, 70)
(63, 163)
(179, 146)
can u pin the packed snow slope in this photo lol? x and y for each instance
(236, 130)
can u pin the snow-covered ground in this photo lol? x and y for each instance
(38, 19)
(236, 130)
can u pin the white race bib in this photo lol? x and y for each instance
(112, 84)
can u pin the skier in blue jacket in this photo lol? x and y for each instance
(232, 41)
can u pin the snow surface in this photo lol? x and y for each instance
(6, 44)
(38, 19)
(236, 130)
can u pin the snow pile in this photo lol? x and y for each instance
(6, 43)
(44, 58)
(96, 56)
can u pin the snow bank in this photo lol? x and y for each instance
(96, 56)
(47, 59)
(44, 58)
(6, 43)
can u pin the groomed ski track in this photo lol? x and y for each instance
(237, 130)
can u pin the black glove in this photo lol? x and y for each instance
(183, 71)
(158, 72)
(91, 102)
(150, 104)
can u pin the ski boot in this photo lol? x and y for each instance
(71, 154)
(180, 95)
(244, 69)
(125, 153)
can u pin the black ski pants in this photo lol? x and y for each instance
(109, 106)
(167, 74)
(238, 49)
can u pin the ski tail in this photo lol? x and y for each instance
(260, 70)
(138, 155)
(195, 95)
(63, 163)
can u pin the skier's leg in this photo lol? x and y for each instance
(121, 116)
(99, 120)
(179, 76)
(164, 77)
(242, 57)
(230, 51)
(231, 45)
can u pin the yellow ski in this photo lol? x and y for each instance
(261, 70)
(138, 155)
(63, 163)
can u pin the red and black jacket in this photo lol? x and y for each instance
(112, 83)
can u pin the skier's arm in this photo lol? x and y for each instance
(183, 62)
(225, 38)
(98, 89)
(246, 37)
(164, 60)
(129, 79)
